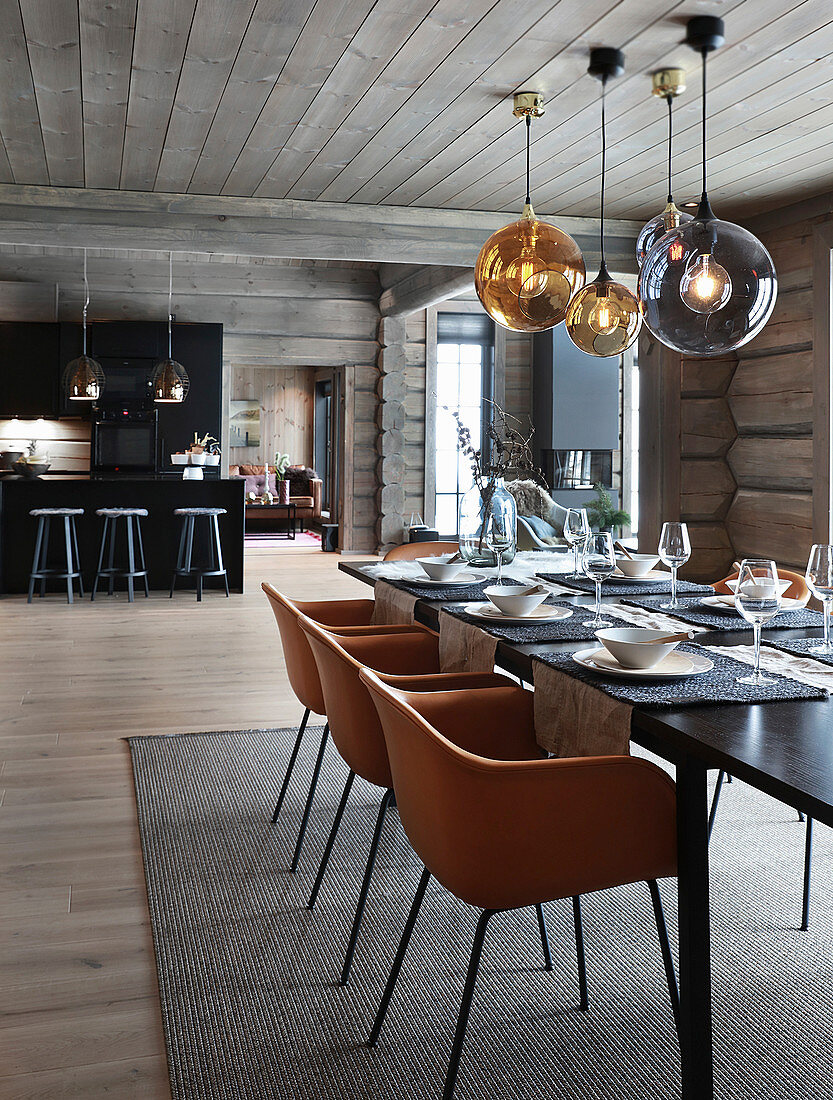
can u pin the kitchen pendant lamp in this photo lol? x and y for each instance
(170, 379)
(83, 377)
(668, 83)
(709, 286)
(527, 272)
(604, 318)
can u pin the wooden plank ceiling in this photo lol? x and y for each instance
(407, 102)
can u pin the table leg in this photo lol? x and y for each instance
(695, 939)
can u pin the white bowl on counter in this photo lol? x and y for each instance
(179, 460)
(517, 600)
(192, 473)
(636, 646)
(212, 460)
(197, 459)
(439, 568)
(638, 565)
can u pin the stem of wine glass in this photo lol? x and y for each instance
(575, 559)
(673, 585)
(598, 613)
(826, 608)
(756, 633)
(499, 556)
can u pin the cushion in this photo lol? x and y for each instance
(299, 478)
(540, 526)
(556, 517)
(255, 483)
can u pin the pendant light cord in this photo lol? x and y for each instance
(705, 54)
(84, 311)
(170, 298)
(669, 99)
(602, 189)
(528, 128)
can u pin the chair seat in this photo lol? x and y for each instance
(56, 512)
(302, 502)
(199, 511)
(115, 512)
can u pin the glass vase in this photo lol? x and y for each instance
(476, 507)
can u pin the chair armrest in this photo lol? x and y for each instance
(407, 652)
(368, 629)
(331, 613)
(448, 681)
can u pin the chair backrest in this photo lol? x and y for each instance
(354, 722)
(410, 550)
(798, 590)
(300, 663)
(500, 834)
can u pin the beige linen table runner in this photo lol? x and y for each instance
(393, 607)
(465, 647)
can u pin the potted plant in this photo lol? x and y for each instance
(601, 513)
(281, 480)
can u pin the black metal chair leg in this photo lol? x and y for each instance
(808, 861)
(142, 565)
(390, 985)
(105, 521)
(721, 775)
(218, 552)
(180, 557)
(111, 558)
(465, 1004)
(368, 874)
(77, 555)
(68, 545)
(665, 948)
(131, 558)
(545, 940)
(581, 962)
(291, 765)
(328, 847)
(299, 843)
(45, 554)
(36, 559)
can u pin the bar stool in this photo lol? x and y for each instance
(186, 547)
(111, 517)
(40, 571)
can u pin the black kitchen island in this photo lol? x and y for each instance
(161, 529)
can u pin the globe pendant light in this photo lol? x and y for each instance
(709, 286)
(527, 272)
(604, 318)
(83, 377)
(170, 379)
(667, 83)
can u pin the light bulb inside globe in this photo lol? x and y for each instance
(528, 273)
(604, 317)
(706, 286)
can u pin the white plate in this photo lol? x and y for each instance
(650, 577)
(462, 579)
(726, 604)
(541, 614)
(673, 667)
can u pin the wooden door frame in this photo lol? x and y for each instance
(822, 382)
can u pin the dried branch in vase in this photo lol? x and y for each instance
(509, 450)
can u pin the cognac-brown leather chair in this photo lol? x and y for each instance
(408, 551)
(348, 616)
(504, 834)
(798, 590)
(354, 723)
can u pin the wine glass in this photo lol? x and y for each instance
(674, 550)
(819, 576)
(499, 537)
(758, 599)
(598, 560)
(576, 530)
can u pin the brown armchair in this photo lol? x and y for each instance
(304, 493)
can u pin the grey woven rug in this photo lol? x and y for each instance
(247, 975)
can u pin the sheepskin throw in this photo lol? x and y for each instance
(531, 498)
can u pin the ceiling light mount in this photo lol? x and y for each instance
(528, 105)
(668, 82)
(705, 33)
(606, 63)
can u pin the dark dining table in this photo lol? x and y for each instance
(783, 748)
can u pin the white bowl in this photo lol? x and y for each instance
(439, 568)
(636, 647)
(212, 460)
(179, 460)
(782, 586)
(515, 599)
(638, 565)
(192, 473)
(197, 459)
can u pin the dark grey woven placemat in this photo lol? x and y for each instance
(692, 612)
(251, 1008)
(451, 592)
(618, 588)
(574, 629)
(800, 647)
(718, 685)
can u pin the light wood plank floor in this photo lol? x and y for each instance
(80, 1012)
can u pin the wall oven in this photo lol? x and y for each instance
(124, 440)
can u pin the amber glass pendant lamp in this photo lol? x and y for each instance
(527, 272)
(170, 379)
(667, 83)
(83, 377)
(708, 286)
(604, 318)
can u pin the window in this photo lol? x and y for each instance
(465, 366)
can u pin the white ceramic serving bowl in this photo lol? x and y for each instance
(635, 646)
(638, 565)
(197, 459)
(179, 460)
(515, 599)
(439, 568)
(212, 460)
(782, 585)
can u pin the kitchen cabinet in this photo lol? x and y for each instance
(30, 369)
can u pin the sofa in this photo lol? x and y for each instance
(304, 488)
(540, 518)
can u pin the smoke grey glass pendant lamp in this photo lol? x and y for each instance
(604, 318)
(709, 286)
(83, 378)
(667, 83)
(170, 379)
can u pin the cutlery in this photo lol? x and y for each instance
(683, 636)
(621, 546)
